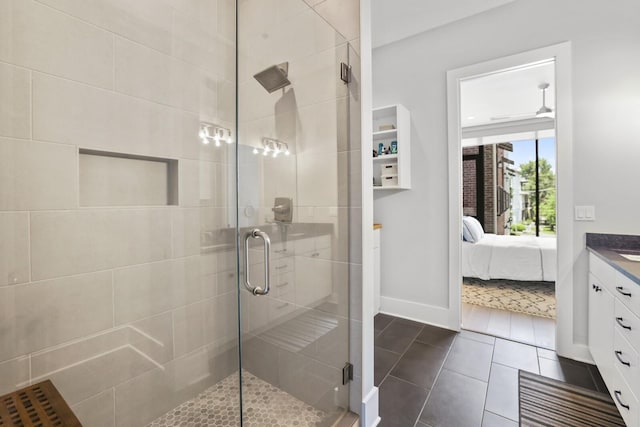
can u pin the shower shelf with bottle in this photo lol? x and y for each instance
(391, 148)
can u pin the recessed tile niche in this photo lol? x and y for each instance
(116, 179)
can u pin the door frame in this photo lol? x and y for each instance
(561, 54)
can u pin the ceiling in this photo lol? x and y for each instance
(394, 20)
(510, 93)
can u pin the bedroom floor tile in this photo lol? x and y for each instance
(442, 371)
(524, 328)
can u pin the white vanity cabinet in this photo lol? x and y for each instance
(614, 334)
(301, 273)
(601, 306)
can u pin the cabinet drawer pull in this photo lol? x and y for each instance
(282, 285)
(618, 393)
(620, 289)
(619, 320)
(618, 354)
(315, 254)
(280, 267)
(596, 288)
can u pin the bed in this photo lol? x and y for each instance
(524, 258)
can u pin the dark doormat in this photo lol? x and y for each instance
(548, 402)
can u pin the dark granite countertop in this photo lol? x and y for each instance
(608, 247)
(224, 239)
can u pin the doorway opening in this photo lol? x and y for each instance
(508, 258)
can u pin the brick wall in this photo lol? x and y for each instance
(469, 194)
(491, 223)
(489, 189)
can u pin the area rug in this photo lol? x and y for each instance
(548, 402)
(534, 298)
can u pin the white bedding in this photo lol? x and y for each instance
(510, 257)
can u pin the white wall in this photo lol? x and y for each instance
(606, 104)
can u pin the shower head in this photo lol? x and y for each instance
(274, 77)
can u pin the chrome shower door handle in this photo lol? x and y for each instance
(257, 234)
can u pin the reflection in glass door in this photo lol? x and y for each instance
(293, 207)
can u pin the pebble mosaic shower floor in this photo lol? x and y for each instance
(264, 406)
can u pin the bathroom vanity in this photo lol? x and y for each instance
(614, 317)
(302, 271)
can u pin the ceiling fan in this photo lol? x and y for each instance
(543, 111)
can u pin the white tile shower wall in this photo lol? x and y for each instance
(43, 39)
(15, 103)
(97, 411)
(14, 374)
(36, 176)
(94, 297)
(144, 21)
(43, 314)
(14, 248)
(72, 242)
(77, 114)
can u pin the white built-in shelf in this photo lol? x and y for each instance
(395, 187)
(397, 116)
(385, 157)
(385, 134)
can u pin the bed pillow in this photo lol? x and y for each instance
(471, 229)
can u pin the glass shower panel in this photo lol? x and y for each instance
(117, 207)
(293, 191)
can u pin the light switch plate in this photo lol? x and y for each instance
(585, 213)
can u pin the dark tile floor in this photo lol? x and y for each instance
(431, 377)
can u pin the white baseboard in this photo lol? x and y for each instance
(369, 412)
(423, 313)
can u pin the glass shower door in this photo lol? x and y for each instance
(293, 215)
(117, 209)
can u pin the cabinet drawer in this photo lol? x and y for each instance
(281, 250)
(625, 400)
(626, 361)
(603, 271)
(283, 265)
(284, 287)
(627, 324)
(278, 309)
(628, 292)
